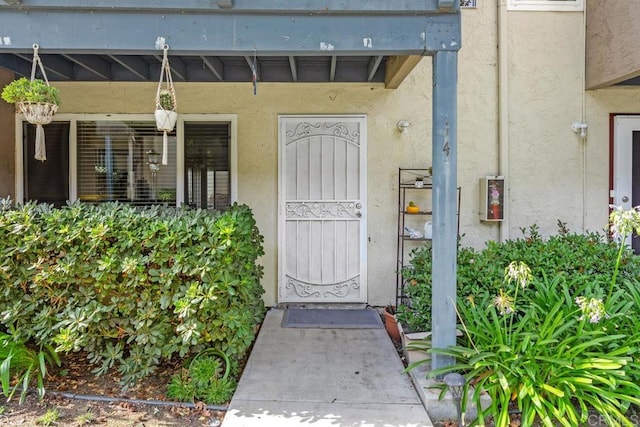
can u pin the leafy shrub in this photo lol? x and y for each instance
(131, 286)
(577, 257)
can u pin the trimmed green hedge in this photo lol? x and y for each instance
(581, 258)
(130, 286)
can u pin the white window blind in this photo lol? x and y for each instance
(120, 160)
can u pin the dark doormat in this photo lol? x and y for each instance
(321, 318)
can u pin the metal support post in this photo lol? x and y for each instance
(444, 153)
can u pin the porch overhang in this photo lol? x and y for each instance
(217, 40)
(372, 41)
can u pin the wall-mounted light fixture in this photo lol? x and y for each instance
(580, 129)
(403, 126)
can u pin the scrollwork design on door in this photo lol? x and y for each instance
(347, 131)
(341, 289)
(308, 210)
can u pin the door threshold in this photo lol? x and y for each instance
(325, 306)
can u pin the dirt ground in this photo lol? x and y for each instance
(75, 377)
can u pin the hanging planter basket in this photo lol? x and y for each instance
(166, 104)
(36, 100)
(38, 113)
(166, 120)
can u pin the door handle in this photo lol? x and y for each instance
(625, 199)
(358, 214)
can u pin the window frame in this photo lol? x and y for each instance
(546, 5)
(74, 118)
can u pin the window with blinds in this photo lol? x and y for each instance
(207, 172)
(121, 161)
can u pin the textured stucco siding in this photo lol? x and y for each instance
(545, 97)
(613, 54)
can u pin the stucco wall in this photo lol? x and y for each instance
(552, 174)
(546, 69)
(612, 52)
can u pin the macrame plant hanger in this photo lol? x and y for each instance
(166, 118)
(38, 113)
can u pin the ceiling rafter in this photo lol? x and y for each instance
(19, 66)
(214, 65)
(332, 70)
(92, 63)
(53, 65)
(251, 65)
(374, 64)
(177, 65)
(134, 64)
(294, 68)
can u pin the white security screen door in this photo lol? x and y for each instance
(626, 166)
(322, 219)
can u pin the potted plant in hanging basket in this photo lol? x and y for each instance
(166, 115)
(34, 98)
(38, 101)
(166, 104)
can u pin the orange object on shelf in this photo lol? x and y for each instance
(413, 209)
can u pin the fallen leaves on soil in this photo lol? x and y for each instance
(74, 377)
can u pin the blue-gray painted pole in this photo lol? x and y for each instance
(445, 201)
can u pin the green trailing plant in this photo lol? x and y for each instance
(25, 90)
(20, 364)
(206, 379)
(131, 287)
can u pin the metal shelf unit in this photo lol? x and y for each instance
(408, 191)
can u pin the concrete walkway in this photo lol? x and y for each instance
(324, 377)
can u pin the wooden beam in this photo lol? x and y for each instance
(230, 33)
(398, 68)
